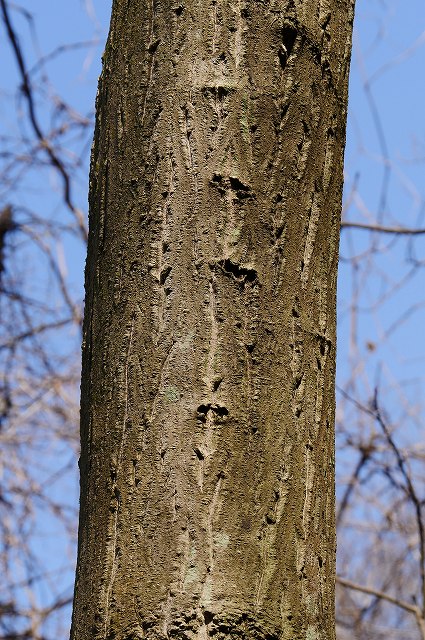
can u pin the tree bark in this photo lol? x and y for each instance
(207, 411)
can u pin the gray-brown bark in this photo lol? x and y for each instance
(207, 486)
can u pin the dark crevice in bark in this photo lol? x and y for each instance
(153, 46)
(242, 190)
(208, 617)
(164, 275)
(218, 182)
(199, 454)
(279, 231)
(325, 24)
(298, 380)
(289, 35)
(218, 410)
(217, 91)
(216, 383)
(242, 275)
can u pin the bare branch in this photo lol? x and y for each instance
(44, 142)
(411, 608)
(345, 224)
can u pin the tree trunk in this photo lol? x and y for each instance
(207, 464)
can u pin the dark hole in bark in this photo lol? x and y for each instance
(218, 182)
(283, 56)
(199, 454)
(147, 624)
(289, 35)
(237, 185)
(284, 110)
(154, 46)
(237, 272)
(179, 10)
(217, 383)
(219, 411)
(222, 92)
(208, 617)
(326, 21)
(202, 411)
(278, 232)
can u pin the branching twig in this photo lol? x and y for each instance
(402, 604)
(410, 489)
(44, 142)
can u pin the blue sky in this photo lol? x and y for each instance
(388, 51)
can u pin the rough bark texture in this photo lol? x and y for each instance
(207, 465)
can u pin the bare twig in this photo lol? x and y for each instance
(44, 142)
(382, 595)
(346, 224)
(410, 489)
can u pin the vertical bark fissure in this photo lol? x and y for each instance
(151, 48)
(111, 558)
